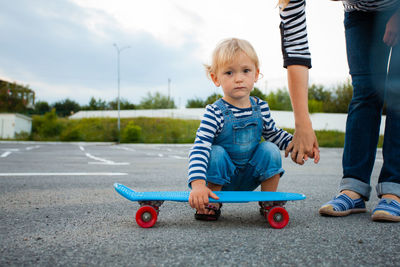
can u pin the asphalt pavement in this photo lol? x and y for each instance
(58, 207)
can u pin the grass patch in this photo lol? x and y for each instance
(132, 130)
(165, 130)
(328, 138)
(137, 130)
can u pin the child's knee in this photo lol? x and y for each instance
(219, 158)
(269, 152)
(220, 167)
(218, 153)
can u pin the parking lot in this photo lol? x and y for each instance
(58, 207)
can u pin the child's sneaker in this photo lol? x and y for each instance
(387, 210)
(343, 205)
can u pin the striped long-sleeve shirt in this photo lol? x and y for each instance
(294, 40)
(212, 124)
(293, 27)
(370, 5)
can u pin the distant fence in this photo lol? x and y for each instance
(283, 119)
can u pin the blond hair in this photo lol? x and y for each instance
(227, 50)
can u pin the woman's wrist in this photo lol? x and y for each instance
(303, 122)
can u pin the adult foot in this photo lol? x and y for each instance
(387, 210)
(343, 205)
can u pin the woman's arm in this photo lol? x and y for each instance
(304, 142)
(297, 60)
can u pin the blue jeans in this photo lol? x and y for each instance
(367, 57)
(265, 162)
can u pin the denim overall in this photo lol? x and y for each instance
(238, 160)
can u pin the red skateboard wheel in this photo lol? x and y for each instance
(146, 216)
(278, 217)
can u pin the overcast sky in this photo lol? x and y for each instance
(64, 49)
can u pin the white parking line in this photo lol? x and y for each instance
(64, 174)
(104, 161)
(101, 160)
(31, 147)
(96, 158)
(5, 154)
(177, 157)
(109, 163)
(10, 150)
(125, 148)
(160, 155)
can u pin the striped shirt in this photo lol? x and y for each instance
(293, 27)
(294, 40)
(212, 124)
(370, 5)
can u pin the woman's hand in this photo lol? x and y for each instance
(392, 32)
(303, 146)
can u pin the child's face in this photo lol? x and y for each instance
(237, 79)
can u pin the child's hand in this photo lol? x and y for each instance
(304, 145)
(198, 198)
(314, 154)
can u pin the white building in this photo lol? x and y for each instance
(14, 123)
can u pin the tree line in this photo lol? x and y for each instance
(68, 106)
(321, 99)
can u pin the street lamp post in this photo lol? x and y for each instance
(119, 50)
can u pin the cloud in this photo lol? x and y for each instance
(61, 45)
(65, 48)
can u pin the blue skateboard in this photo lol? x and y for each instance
(150, 202)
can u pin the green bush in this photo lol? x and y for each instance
(195, 103)
(315, 106)
(156, 101)
(22, 136)
(279, 100)
(71, 134)
(94, 129)
(131, 133)
(166, 130)
(47, 127)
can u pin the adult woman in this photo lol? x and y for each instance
(372, 31)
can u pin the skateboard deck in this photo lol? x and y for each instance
(150, 202)
(224, 196)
